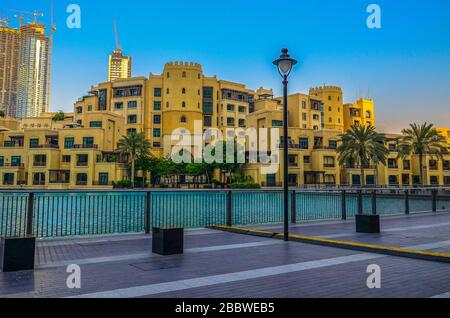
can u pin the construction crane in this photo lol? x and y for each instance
(50, 55)
(116, 36)
(35, 14)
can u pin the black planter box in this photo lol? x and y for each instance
(367, 223)
(17, 254)
(167, 241)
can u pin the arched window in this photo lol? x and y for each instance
(183, 104)
(330, 120)
(167, 91)
(167, 104)
(368, 114)
(198, 75)
(183, 90)
(184, 74)
(183, 119)
(168, 75)
(329, 108)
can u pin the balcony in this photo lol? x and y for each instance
(44, 146)
(13, 165)
(39, 164)
(12, 144)
(85, 146)
(82, 164)
(329, 165)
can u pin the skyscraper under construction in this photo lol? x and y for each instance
(9, 65)
(33, 71)
(24, 58)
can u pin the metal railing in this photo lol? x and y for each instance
(53, 213)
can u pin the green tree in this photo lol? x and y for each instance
(201, 169)
(134, 145)
(2, 114)
(421, 140)
(59, 116)
(360, 145)
(229, 167)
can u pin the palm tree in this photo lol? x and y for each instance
(134, 145)
(421, 140)
(361, 144)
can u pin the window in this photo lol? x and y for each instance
(102, 99)
(328, 162)
(2, 161)
(66, 158)
(79, 110)
(368, 114)
(88, 142)
(230, 107)
(277, 123)
(156, 105)
(230, 121)
(16, 161)
(156, 144)
(405, 179)
(40, 161)
(303, 143)
(157, 119)
(330, 120)
(81, 179)
(304, 116)
(183, 119)
(89, 108)
(156, 132)
(242, 109)
(95, 124)
(446, 164)
(292, 160)
(303, 104)
(434, 180)
(241, 122)
(168, 75)
(330, 109)
(82, 160)
(183, 74)
(393, 180)
(157, 92)
(69, 142)
(34, 142)
(332, 144)
(183, 104)
(207, 107)
(207, 121)
(183, 90)
(167, 104)
(392, 163)
(306, 159)
(433, 164)
(39, 178)
(316, 117)
(132, 104)
(132, 119)
(103, 178)
(131, 131)
(8, 178)
(406, 164)
(118, 105)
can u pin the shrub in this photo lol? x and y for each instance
(123, 184)
(245, 185)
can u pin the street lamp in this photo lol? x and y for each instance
(284, 64)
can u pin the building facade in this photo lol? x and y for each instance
(9, 68)
(80, 151)
(119, 66)
(33, 71)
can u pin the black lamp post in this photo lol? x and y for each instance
(285, 64)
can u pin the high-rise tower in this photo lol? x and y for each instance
(9, 62)
(119, 66)
(33, 69)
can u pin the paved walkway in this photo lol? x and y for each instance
(218, 264)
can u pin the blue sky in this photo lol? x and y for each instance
(405, 65)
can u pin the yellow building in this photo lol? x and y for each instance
(362, 112)
(119, 66)
(80, 150)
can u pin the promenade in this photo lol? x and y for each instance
(222, 264)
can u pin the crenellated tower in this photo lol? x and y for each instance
(332, 98)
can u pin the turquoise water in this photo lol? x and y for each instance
(71, 214)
